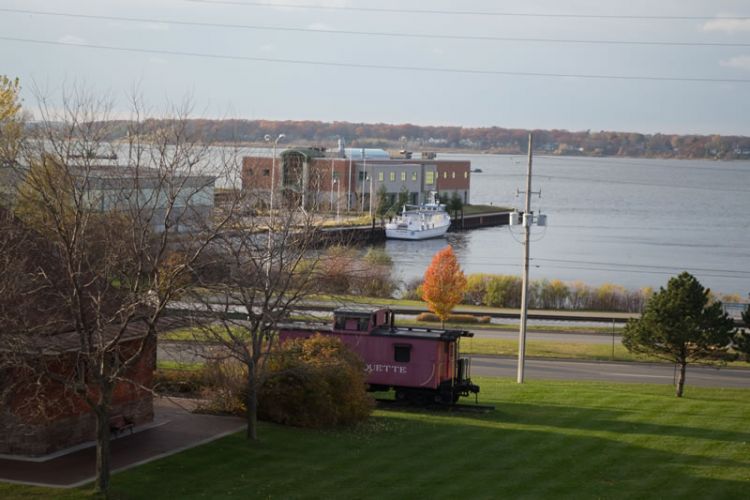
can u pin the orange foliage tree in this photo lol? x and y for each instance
(444, 283)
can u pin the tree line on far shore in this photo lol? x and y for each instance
(492, 139)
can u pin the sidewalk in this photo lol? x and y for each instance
(174, 429)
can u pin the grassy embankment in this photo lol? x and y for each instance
(544, 440)
(492, 347)
(543, 349)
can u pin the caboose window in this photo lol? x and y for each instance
(402, 353)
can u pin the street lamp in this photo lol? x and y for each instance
(273, 167)
(270, 206)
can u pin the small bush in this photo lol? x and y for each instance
(412, 289)
(314, 383)
(453, 318)
(225, 389)
(174, 381)
(462, 318)
(378, 256)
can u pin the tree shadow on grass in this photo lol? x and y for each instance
(619, 420)
(413, 455)
(552, 462)
(624, 421)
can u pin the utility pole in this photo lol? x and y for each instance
(527, 221)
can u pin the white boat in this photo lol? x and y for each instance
(419, 222)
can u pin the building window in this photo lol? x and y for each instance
(361, 176)
(266, 172)
(392, 176)
(414, 176)
(429, 177)
(403, 176)
(402, 353)
(445, 175)
(453, 175)
(466, 175)
(381, 176)
(249, 171)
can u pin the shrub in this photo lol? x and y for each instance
(226, 385)
(336, 269)
(504, 291)
(378, 256)
(412, 289)
(176, 381)
(343, 271)
(476, 288)
(462, 318)
(316, 382)
(453, 318)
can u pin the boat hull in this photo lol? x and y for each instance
(415, 234)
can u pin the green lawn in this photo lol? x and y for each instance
(551, 349)
(544, 440)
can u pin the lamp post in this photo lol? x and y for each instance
(273, 167)
(270, 206)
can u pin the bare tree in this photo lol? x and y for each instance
(122, 225)
(269, 268)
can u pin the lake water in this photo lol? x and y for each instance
(633, 222)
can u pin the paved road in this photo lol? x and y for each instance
(488, 366)
(647, 373)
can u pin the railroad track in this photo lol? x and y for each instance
(459, 408)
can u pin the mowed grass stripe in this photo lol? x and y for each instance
(544, 440)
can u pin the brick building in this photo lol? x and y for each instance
(319, 179)
(40, 415)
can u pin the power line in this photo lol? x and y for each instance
(543, 263)
(644, 266)
(414, 69)
(727, 274)
(431, 36)
(464, 12)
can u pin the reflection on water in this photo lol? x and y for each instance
(627, 221)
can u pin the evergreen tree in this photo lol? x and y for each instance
(403, 198)
(741, 342)
(455, 204)
(681, 325)
(382, 202)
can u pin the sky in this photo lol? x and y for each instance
(467, 63)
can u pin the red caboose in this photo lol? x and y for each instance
(421, 364)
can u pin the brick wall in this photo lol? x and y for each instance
(67, 420)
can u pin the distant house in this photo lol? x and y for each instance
(316, 178)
